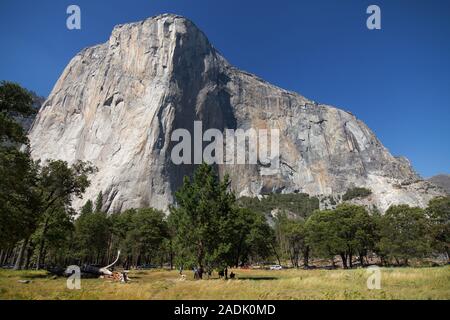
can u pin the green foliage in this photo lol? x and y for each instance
(207, 227)
(99, 202)
(58, 184)
(354, 193)
(91, 236)
(18, 194)
(438, 212)
(146, 232)
(139, 234)
(203, 219)
(14, 101)
(346, 231)
(20, 198)
(54, 237)
(87, 208)
(58, 181)
(321, 233)
(34, 199)
(252, 237)
(404, 234)
(299, 203)
(291, 238)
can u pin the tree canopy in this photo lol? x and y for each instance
(403, 234)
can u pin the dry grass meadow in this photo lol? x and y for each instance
(396, 283)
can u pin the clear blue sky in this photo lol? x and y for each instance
(397, 80)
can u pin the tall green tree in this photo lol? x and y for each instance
(92, 233)
(203, 219)
(20, 198)
(57, 239)
(145, 239)
(87, 208)
(58, 183)
(251, 237)
(438, 212)
(99, 202)
(404, 234)
(292, 238)
(346, 231)
(18, 195)
(321, 234)
(121, 224)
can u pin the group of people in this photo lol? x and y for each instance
(198, 273)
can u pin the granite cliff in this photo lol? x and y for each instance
(116, 105)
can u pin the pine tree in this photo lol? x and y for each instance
(203, 220)
(87, 208)
(19, 197)
(99, 202)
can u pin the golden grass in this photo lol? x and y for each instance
(396, 283)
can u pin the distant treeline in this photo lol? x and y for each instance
(208, 227)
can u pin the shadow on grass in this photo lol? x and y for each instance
(257, 278)
(37, 276)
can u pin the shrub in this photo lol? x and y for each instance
(356, 193)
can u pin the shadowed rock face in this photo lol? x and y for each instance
(441, 180)
(117, 104)
(26, 122)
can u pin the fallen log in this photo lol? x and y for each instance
(89, 271)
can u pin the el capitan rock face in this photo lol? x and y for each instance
(116, 105)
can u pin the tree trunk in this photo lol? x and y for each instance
(361, 260)
(350, 260)
(138, 260)
(292, 257)
(306, 257)
(200, 255)
(11, 256)
(41, 244)
(276, 254)
(109, 250)
(296, 257)
(31, 248)
(27, 261)
(344, 260)
(128, 263)
(19, 260)
(7, 256)
(239, 250)
(44, 255)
